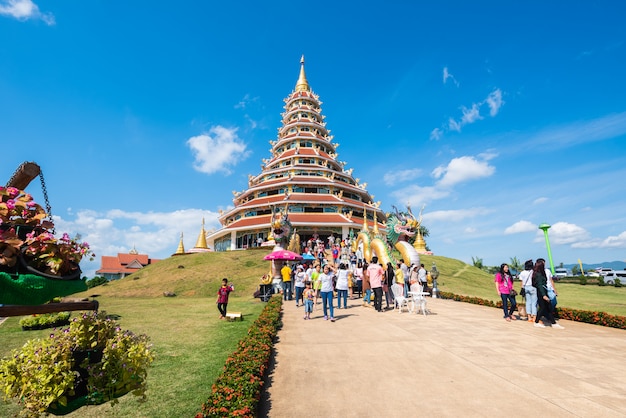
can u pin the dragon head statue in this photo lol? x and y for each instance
(280, 227)
(401, 226)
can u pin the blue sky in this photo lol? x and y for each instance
(498, 116)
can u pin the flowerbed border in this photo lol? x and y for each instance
(237, 390)
(588, 317)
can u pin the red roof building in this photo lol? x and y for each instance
(304, 179)
(120, 266)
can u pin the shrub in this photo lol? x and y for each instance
(601, 281)
(618, 282)
(583, 280)
(93, 356)
(236, 392)
(589, 317)
(43, 321)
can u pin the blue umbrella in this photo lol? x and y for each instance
(307, 256)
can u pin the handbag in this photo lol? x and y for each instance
(513, 292)
(522, 292)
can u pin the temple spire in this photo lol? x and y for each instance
(302, 84)
(201, 242)
(364, 220)
(181, 247)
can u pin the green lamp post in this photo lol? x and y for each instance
(544, 227)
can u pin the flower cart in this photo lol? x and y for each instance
(35, 266)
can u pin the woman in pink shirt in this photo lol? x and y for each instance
(504, 286)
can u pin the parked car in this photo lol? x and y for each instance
(603, 271)
(592, 274)
(619, 274)
(560, 272)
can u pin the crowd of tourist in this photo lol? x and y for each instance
(537, 289)
(332, 268)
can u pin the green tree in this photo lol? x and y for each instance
(96, 281)
(477, 262)
(575, 270)
(515, 264)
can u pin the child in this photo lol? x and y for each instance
(222, 297)
(309, 295)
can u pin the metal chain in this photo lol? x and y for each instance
(15, 174)
(45, 197)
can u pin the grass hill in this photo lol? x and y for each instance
(199, 275)
(192, 275)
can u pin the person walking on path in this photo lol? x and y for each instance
(540, 281)
(326, 280)
(376, 276)
(342, 286)
(367, 289)
(317, 285)
(389, 281)
(504, 286)
(300, 279)
(526, 277)
(222, 297)
(422, 276)
(309, 296)
(285, 272)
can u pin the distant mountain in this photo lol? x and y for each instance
(615, 265)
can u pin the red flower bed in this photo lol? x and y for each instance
(237, 391)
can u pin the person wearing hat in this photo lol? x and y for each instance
(300, 278)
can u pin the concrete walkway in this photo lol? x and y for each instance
(462, 360)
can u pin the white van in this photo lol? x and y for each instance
(619, 274)
(560, 272)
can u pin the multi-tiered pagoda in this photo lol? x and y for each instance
(303, 179)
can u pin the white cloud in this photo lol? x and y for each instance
(540, 200)
(600, 129)
(456, 215)
(470, 115)
(494, 101)
(447, 75)
(416, 195)
(454, 125)
(462, 169)
(154, 233)
(399, 176)
(25, 10)
(245, 101)
(614, 241)
(618, 241)
(217, 150)
(436, 134)
(521, 226)
(566, 233)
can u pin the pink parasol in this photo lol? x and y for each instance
(283, 255)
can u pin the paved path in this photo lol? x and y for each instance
(462, 360)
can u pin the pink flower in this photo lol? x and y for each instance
(10, 204)
(12, 191)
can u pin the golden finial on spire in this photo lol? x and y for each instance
(181, 247)
(201, 242)
(302, 84)
(375, 229)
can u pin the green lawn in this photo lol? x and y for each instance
(191, 343)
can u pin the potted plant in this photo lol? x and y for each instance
(27, 234)
(91, 362)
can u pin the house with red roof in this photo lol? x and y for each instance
(119, 266)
